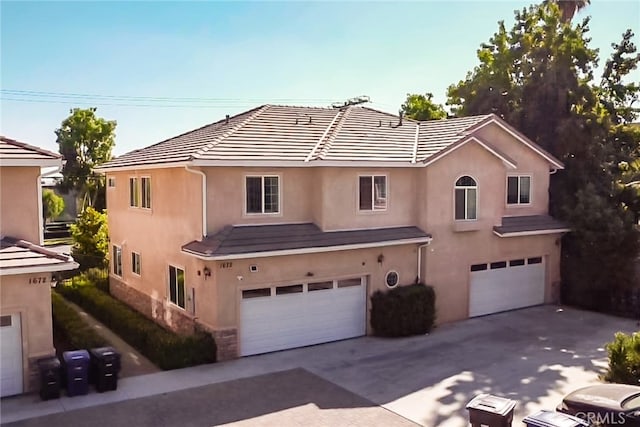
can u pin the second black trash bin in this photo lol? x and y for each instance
(553, 419)
(49, 369)
(105, 365)
(76, 369)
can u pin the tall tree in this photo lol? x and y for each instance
(422, 107)
(569, 8)
(52, 204)
(538, 77)
(85, 141)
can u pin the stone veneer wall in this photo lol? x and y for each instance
(174, 318)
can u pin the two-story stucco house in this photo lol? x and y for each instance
(26, 268)
(272, 228)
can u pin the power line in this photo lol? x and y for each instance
(116, 104)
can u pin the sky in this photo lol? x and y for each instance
(163, 68)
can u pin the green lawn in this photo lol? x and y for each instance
(59, 241)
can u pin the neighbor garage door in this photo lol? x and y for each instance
(281, 317)
(506, 285)
(10, 355)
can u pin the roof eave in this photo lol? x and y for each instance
(532, 232)
(51, 268)
(311, 250)
(44, 163)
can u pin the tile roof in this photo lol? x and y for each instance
(530, 224)
(12, 150)
(20, 256)
(306, 134)
(246, 241)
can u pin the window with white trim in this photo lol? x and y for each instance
(176, 286)
(145, 184)
(134, 192)
(372, 190)
(135, 263)
(466, 199)
(111, 182)
(117, 260)
(262, 194)
(518, 190)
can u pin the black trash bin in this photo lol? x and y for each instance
(50, 379)
(105, 365)
(553, 419)
(492, 411)
(76, 369)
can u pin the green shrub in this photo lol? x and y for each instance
(624, 359)
(403, 311)
(164, 348)
(76, 331)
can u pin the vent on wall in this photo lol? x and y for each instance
(253, 268)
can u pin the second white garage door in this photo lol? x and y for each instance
(506, 285)
(282, 317)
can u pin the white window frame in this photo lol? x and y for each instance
(134, 188)
(373, 175)
(262, 176)
(143, 203)
(518, 203)
(466, 198)
(111, 182)
(135, 255)
(116, 260)
(184, 274)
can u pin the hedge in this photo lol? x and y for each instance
(75, 330)
(164, 348)
(403, 311)
(624, 359)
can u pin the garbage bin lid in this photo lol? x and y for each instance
(546, 418)
(75, 355)
(493, 404)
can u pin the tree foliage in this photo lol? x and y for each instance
(568, 8)
(85, 141)
(90, 239)
(538, 76)
(52, 204)
(422, 107)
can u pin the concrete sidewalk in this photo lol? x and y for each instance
(133, 362)
(534, 356)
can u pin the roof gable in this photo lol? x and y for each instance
(16, 153)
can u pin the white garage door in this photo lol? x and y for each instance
(10, 355)
(277, 318)
(506, 285)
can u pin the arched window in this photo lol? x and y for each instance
(466, 193)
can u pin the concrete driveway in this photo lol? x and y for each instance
(533, 356)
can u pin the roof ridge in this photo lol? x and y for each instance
(253, 114)
(337, 126)
(322, 138)
(30, 147)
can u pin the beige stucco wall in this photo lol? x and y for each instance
(457, 245)
(19, 206)
(157, 234)
(294, 269)
(33, 302)
(325, 196)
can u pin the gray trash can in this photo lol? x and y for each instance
(554, 419)
(491, 411)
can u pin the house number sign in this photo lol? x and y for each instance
(40, 279)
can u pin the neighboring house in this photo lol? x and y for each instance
(26, 268)
(50, 180)
(273, 228)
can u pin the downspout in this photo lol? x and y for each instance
(204, 198)
(420, 260)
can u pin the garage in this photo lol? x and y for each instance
(281, 317)
(11, 355)
(506, 285)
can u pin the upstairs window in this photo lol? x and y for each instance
(111, 182)
(262, 194)
(466, 199)
(146, 192)
(134, 193)
(135, 263)
(372, 193)
(518, 190)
